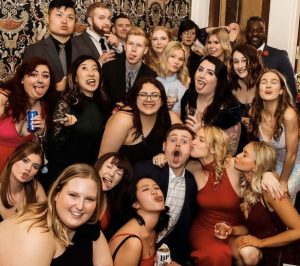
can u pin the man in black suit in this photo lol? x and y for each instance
(120, 75)
(97, 40)
(57, 49)
(179, 188)
(271, 57)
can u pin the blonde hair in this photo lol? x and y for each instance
(136, 31)
(183, 73)
(45, 214)
(217, 140)
(223, 37)
(265, 161)
(151, 58)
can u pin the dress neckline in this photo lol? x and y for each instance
(209, 167)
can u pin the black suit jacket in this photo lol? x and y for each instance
(177, 239)
(278, 59)
(114, 79)
(46, 49)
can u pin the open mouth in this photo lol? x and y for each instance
(201, 84)
(39, 89)
(91, 82)
(76, 214)
(158, 198)
(107, 181)
(176, 156)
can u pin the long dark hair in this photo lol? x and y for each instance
(20, 153)
(72, 94)
(163, 121)
(284, 101)
(222, 98)
(254, 66)
(132, 213)
(18, 100)
(116, 194)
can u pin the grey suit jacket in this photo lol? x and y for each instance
(83, 45)
(46, 49)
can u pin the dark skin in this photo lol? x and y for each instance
(255, 33)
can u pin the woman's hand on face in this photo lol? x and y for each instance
(159, 160)
(248, 240)
(271, 184)
(193, 123)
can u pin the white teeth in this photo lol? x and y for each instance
(107, 179)
(76, 213)
(89, 81)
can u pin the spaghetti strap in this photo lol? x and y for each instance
(122, 242)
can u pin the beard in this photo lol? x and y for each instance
(101, 31)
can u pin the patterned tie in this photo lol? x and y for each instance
(103, 46)
(63, 58)
(129, 80)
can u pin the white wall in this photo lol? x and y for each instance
(283, 22)
(283, 26)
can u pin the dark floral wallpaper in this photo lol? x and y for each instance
(22, 22)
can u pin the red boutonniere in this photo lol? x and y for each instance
(265, 53)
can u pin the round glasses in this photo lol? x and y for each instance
(143, 96)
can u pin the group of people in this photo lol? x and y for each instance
(145, 145)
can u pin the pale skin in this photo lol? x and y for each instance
(270, 83)
(148, 205)
(248, 244)
(119, 128)
(39, 247)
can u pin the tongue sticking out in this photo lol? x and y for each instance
(39, 90)
(176, 157)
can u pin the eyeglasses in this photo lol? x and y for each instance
(143, 96)
(189, 33)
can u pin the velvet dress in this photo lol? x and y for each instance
(216, 203)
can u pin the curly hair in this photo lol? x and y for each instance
(18, 100)
(254, 66)
(183, 73)
(265, 161)
(19, 154)
(45, 215)
(163, 120)
(151, 59)
(217, 140)
(223, 37)
(284, 101)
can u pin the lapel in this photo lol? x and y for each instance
(140, 74)
(88, 42)
(50, 49)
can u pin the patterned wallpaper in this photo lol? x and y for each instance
(22, 22)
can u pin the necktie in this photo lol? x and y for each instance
(63, 58)
(129, 80)
(102, 43)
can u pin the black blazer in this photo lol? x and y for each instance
(177, 239)
(114, 79)
(46, 49)
(278, 59)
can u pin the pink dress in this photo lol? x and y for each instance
(216, 203)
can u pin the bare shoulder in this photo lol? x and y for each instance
(40, 192)
(34, 246)
(290, 115)
(121, 118)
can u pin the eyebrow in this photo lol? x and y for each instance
(37, 164)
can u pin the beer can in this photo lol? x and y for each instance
(163, 256)
(30, 116)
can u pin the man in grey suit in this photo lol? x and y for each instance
(97, 40)
(57, 49)
(271, 57)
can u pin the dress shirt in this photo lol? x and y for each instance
(174, 200)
